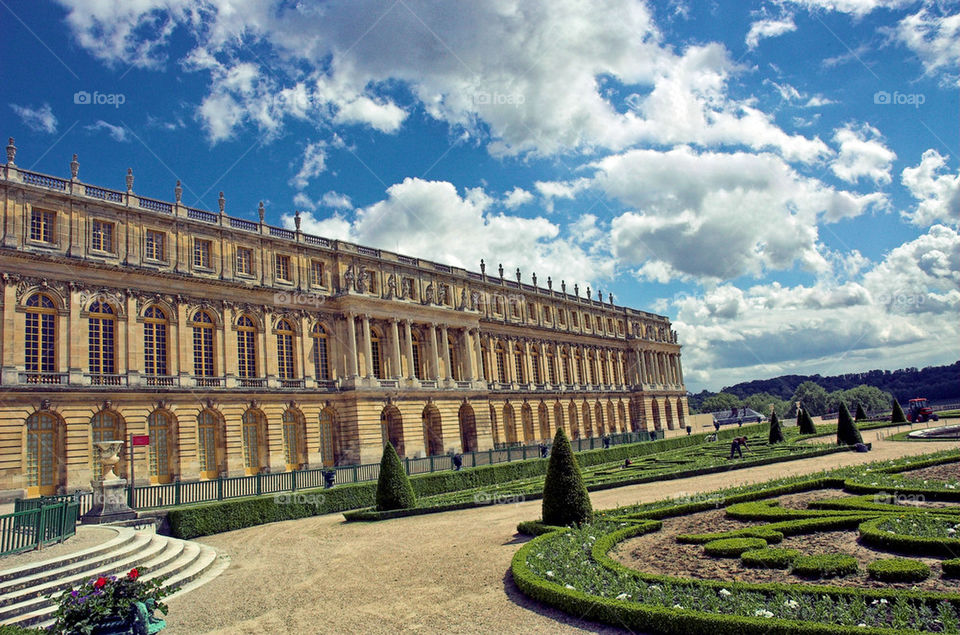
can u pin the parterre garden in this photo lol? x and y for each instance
(867, 549)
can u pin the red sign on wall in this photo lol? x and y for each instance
(140, 439)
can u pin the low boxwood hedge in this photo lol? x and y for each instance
(872, 535)
(769, 558)
(898, 570)
(824, 565)
(951, 568)
(535, 528)
(732, 547)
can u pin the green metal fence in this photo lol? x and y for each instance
(38, 525)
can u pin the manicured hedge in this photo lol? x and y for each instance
(872, 535)
(769, 558)
(855, 487)
(951, 568)
(824, 565)
(898, 570)
(733, 547)
(535, 528)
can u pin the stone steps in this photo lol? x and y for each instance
(182, 564)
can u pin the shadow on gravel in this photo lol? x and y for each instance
(518, 539)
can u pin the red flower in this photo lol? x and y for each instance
(99, 584)
(134, 574)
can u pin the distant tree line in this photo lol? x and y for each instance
(874, 390)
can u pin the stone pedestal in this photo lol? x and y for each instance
(110, 492)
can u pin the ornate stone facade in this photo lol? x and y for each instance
(240, 347)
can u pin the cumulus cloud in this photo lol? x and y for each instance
(762, 29)
(857, 8)
(336, 200)
(40, 119)
(516, 197)
(117, 133)
(862, 154)
(934, 39)
(938, 194)
(312, 163)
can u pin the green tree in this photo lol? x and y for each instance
(805, 421)
(393, 487)
(813, 396)
(565, 498)
(847, 432)
(870, 397)
(898, 416)
(776, 430)
(860, 414)
(834, 399)
(761, 402)
(720, 401)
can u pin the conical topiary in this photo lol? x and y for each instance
(805, 422)
(847, 432)
(565, 498)
(393, 487)
(860, 415)
(776, 430)
(897, 416)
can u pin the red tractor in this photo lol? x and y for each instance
(919, 412)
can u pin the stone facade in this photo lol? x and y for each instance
(240, 347)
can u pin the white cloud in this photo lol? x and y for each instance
(857, 8)
(516, 197)
(117, 133)
(938, 195)
(862, 154)
(337, 200)
(935, 39)
(40, 119)
(762, 29)
(313, 162)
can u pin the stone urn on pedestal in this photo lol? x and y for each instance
(110, 492)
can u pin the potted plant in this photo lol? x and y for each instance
(111, 606)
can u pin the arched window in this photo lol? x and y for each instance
(159, 428)
(106, 426)
(415, 344)
(518, 364)
(565, 365)
(41, 336)
(578, 361)
(246, 348)
(321, 357)
(593, 368)
(551, 367)
(375, 356)
(43, 451)
(254, 430)
(285, 366)
(101, 339)
(209, 442)
(154, 341)
(294, 440)
(203, 345)
(535, 365)
(501, 364)
(329, 438)
(603, 368)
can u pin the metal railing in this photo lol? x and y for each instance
(35, 523)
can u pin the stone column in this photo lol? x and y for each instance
(469, 364)
(11, 354)
(447, 371)
(395, 337)
(411, 374)
(352, 370)
(434, 353)
(367, 346)
(680, 371)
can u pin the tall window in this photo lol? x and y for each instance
(106, 426)
(101, 339)
(246, 347)
(501, 364)
(161, 437)
(328, 438)
(415, 343)
(547, 315)
(285, 369)
(244, 261)
(518, 364)
(42, 225)
(316, 273)
(551, 368)
(603, 368)
(201, 253)
(154, 247)
(578, 359)
(203, 345)
(208, 442)
(454, 356)
(41, 335)
(282, 266)
(293, 440)
(154, 341)
(101, 236)
(565, 366)
(321, 359)
(535, 365)
(253, 433)
(593, 368)
(375, 358)
(484, 369)
(42, 452)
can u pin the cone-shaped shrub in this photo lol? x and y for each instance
(393, 487)
(805, 421)
(776, 430)
(565, 498)
(898, 416)
(847, 432)
(860, 415)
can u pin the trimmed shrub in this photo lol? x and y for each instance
(873, 535)
(776, 430)
(393, 487)
(535, 528)
(897, 416)
(847, 433)
(770, 558)
(565, 498)
(860, 415)
(951, 568)
(733, 547)
(826, 565)
(806, 424)
(898, 570)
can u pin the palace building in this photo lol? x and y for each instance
(241, 348)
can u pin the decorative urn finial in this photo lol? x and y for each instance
(178, 192)
(129, 179)
(296, 219)
(222, 202)
(11, 151)
(260, 211)
(74, 167)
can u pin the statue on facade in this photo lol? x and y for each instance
(406, 289)
(349, 277)
(441, 293)
(474, 300)
(362, 275)
(428, 294)
(391, 287)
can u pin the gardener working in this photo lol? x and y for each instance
(736, 444)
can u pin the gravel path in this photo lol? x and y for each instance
(435, 573)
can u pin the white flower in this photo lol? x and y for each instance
(763, 613)
(549, 574)
(592, 538)
(862, 625)
(791, 604)
(570, 587)
(623, 596)
(725, 593)
(677, 606)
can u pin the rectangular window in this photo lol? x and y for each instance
(316, 273)
(560, 319)
(101, 236)
(154, 245)
(201, 253)
(282, 267)
(575, 319)
(244, 261)
(42, 225)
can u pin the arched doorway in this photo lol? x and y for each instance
(574, 421)
(162, 430)
(468, 428)
(45, 454)
(587, 422)
(655, 413)
(622, 411)
(558, 415)
(432, 430)
(330, 452)
(680, 415)
(509, 424)
(668, 413)
(211, 452)
(294, 439)
(598, 413)
(526, 413)
(544, 417)
(391, 424)
(108, 425)
(256, 451)
(612, 419)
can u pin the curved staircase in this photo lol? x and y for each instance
(183, 564)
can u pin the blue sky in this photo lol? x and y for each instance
(778, 177)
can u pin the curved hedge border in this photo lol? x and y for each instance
(951, 568)
(769, 558)
(871, 534)
(732, 547)
(824, 565)
(535, 528)
(898, 570)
